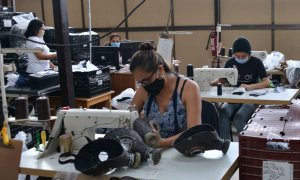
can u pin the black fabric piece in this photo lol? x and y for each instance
(255, 95)
(209, 114)
(70, 156)
(144, 127)
(133, 142)
(88, 162)
(123, 99)
(238, 93)
(123, 178)
(155, 87)
(200, 138)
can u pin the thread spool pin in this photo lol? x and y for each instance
(230, 52)
(43, 108)
(222, 51)
(22, 108)
(190, 71)
(219, 89)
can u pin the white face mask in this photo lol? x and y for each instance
(115, 44)
(242, 60)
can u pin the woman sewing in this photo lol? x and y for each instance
(172, 101)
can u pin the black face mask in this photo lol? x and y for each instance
(155, 87)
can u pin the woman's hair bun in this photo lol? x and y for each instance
(146, 46)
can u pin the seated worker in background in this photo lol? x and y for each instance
(251, 75)
(114, 40)
(37, 61)
(160, 87)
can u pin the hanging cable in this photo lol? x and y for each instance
(169, 17)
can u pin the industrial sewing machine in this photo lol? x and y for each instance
(204, 76)
(262, 55)
(81, 123)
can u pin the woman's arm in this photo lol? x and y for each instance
(216, 81)
(192, 100)
(167, 142)
(139, 99)
(52, 66)
(263, 84)
(44, 56)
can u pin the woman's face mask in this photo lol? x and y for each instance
(242, 60)
(115, 44)
(241, 57)
(155, 87)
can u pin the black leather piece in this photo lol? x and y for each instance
(144, 127)
(133, 142)
(238, 93)
(123, 178)
(65, 158)
(199, 139)
(123, 99)
(210, 115)
(87, 160)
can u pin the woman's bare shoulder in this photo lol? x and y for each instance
(191, 85)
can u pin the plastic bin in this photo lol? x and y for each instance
(89, 84)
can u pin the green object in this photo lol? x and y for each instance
(271, 84)
(38, 142)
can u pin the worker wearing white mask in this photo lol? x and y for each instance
(251, 75)
(114, 40)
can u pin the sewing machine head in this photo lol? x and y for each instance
(204, 76)
(81, 123)
(262, 55)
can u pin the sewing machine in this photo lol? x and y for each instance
(204, 76)
(262, 55)
(81, 123)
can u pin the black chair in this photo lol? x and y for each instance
(210, 114)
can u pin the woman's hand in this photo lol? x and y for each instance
(52, 66)
(263, 84)
(247, 87)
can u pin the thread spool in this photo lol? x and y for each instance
(64, 143)
(43, 108)
(176, 67)
(219, 89)
(230, 52)
(190, 71)
(22, 108)
(222, 51)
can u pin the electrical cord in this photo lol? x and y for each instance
(169, 17)
(84, 43)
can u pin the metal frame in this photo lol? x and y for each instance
(82, 14)
(126, 22)
(2, 83)
(43, 11)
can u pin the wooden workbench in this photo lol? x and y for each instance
(104, 99)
